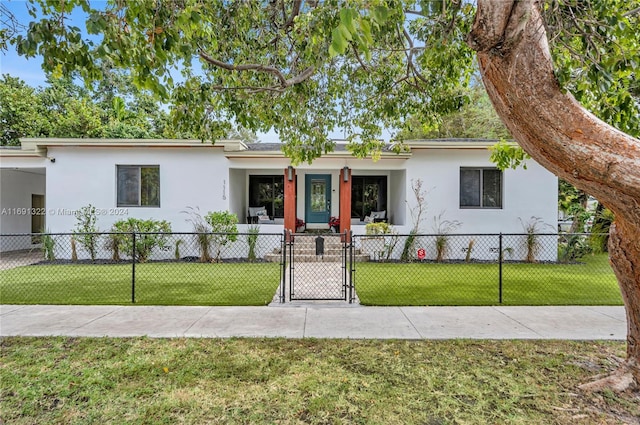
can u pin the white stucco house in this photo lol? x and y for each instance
(44, 181)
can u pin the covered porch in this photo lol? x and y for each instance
(323, 198)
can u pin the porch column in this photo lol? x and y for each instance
(290, 199)
(345, 200)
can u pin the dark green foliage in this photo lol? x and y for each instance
(149, 235)
(574, 248)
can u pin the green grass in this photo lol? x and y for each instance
(156, 284)
(591, 282)
(241, 381)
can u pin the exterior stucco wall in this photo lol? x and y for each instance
(188, 177)
(206, 178)
(526, 194)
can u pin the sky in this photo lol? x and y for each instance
(30, 69)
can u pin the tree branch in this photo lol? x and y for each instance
(297, 4)
(632, 12)
(284, 82)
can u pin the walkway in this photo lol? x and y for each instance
(317, 321)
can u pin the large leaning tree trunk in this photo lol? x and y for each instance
(552, 127)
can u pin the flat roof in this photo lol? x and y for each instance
(232, 147)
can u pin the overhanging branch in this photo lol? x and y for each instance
(284, 82)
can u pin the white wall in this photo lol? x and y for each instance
(188, 177)
(16, 188)
(526, 193)
(205, 178)
(397, 197)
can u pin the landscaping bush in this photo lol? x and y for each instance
(149, 236)
(224, 228)
(86, 231)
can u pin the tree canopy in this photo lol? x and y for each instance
(475, 119)
(319, 66)
(112, 107)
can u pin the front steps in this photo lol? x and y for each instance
(304, 249)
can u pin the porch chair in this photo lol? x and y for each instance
(259, 215)
(376, 217)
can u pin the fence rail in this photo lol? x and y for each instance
(250, 269)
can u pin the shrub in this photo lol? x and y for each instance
(377, 228)
(113, 243)
(86, 230)
(390, 237)
(532, 242)
(149, 234)
(575, 247)
(202, 230)
(224, 228)
(49, 246)
(252, 240)
(416, 216)
(442, 229)
(599, 238)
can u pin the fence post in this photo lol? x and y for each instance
(133, 269)
(283, 247)
(500, 268)
(351, 263)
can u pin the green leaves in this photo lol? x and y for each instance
(508, 155)
(595, 50)
(357, 66)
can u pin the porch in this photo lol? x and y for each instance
(349, 198)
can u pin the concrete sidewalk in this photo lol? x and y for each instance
(317, 321)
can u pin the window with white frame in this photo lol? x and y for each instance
(138, 185)
(480, 188)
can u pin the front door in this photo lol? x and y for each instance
(318, 199)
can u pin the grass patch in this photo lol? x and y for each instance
(156, 284)
(588, 283)
(141, 380)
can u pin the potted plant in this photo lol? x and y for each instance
(300, 225)
(374, 243)
(334, 224)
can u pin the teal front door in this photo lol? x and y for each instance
(318, 199)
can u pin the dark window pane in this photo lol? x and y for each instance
(371, 196)
(492, 188)
(150, 186)
(469, 188)
(128, 186)
(268, 192)
(368, 193)
(278, 196)
(357, 193)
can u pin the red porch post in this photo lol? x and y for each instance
(345, 200)
(290, 199)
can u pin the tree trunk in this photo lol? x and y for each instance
(560, 134)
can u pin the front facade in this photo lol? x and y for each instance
(47, 180)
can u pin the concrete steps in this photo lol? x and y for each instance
(304, 250)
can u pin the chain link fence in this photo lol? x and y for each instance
(252, 269)
(484, 269)
(142, 268)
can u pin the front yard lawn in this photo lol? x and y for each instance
(590, 282)
(155, 284)
(312, 381)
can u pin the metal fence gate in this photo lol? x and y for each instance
(319, 267)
